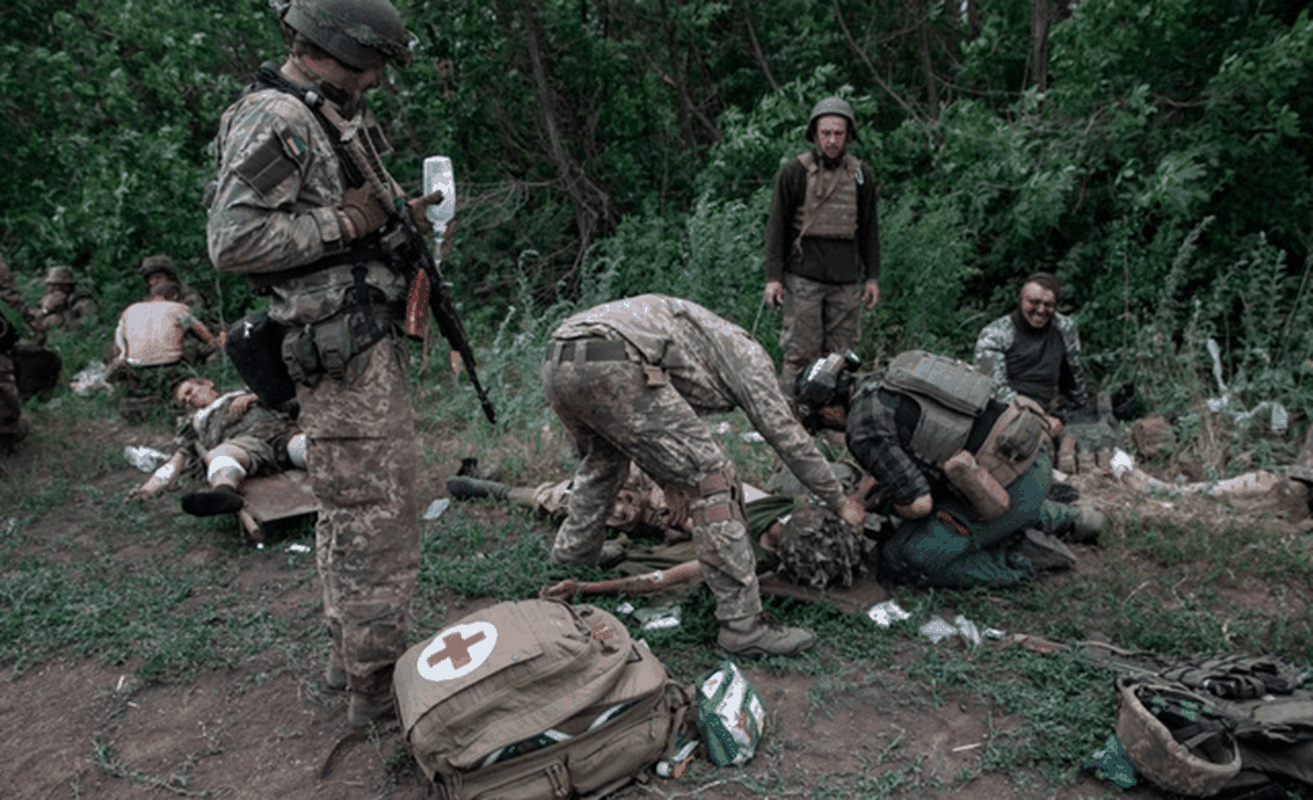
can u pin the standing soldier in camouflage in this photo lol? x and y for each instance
(630, 380)
(823, 243)
(295, 210)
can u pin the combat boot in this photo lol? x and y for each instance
(463, 487)
(335, 677)
(612, 554)
(221, 499)
(1044, 551)
(363, 710)
(1085, 529)
(762, 635)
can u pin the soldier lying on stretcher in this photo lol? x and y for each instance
(225, 438)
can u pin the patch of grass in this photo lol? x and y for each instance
(94, 610)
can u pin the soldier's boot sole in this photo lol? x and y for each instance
(213, 502)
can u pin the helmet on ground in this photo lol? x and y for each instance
(835, 106)
(157, 263)
(819, 550)
(359, 33)
(1148, 712)
(60, 274)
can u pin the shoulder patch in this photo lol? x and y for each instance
(274, 161)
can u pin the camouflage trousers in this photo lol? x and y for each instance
(11, 403)
(640, 506)
(618, 412)
(819, 319)
(362, 462)
(953, 549)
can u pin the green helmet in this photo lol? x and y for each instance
(836, 106)
(60, 274)
(157, 263)
(359, 33)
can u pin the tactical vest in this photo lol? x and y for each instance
(950, 393)
(830, 208)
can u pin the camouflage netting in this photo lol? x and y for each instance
(820, 550)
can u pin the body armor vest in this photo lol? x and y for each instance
(950, 393)
(830, 209)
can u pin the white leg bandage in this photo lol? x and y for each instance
(296, 450)
(222, 463)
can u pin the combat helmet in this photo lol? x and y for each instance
(1174, 738)
(827, 379)
(820, 550)
(157, 263)
(60, 274)
(359, 33)
(832, 106)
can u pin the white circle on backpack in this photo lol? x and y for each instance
(457, 651)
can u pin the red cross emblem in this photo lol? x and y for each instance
(457, 651)
(457, 648)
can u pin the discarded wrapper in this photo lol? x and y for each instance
(437, 507)
(887, 613)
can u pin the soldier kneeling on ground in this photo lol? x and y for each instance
(965, 476)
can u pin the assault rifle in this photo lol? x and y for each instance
(405, 243)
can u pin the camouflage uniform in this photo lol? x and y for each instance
(275, 207)
(63, 308)
(822, 274)
(640, 505)
(11, 401)
(1036, 363)
(630, 380)
(952, 546)
(260, 432)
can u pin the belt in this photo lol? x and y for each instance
(587, 350)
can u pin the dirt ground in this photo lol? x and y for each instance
(81, 729)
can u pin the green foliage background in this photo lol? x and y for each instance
(1159, 163)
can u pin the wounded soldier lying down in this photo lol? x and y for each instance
(225, 437)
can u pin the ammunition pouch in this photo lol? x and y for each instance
(1014, 441)
(255, 345)
(326, 348)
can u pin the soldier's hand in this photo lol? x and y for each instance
(774, 294)
(917, 508)
(240, 405)
(870, 294)
(853, 511)
(419, 210)
(364, 213)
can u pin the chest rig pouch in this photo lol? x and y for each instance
(950, 393)
(327, 347)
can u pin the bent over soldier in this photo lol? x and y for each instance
(630, 380)
(299, 204)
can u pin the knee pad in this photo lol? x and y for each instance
(718, 498)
